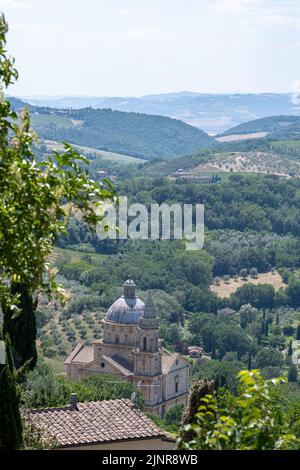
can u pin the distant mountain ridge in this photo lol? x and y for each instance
(213, 113)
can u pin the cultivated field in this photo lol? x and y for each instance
(74, 255)
(239, 137)
(250, 162)
(48, 119)
(115, 157)
(224, 290)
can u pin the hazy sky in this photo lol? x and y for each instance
(137, 47)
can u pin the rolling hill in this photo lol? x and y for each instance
(135, 134)
(211, 112)
(273, 126)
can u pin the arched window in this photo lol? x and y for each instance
(117, 339)
(176, 381)
(144, 343)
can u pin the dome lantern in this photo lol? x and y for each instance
(129, 289)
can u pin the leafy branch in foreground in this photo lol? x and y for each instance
(252, 420)
(36, 201)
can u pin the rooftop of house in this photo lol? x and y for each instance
(95, 422)
(226, 311)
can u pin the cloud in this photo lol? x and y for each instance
(277, 21)
(122, 12)
(14, 4)
(236, 5)
(232, 5)
(39, 28)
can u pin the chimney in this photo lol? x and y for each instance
(133, 400)
(73, 401)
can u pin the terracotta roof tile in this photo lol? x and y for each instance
(92, 422)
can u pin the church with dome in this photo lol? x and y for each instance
(131, 348)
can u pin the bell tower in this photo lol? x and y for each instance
(148, 356)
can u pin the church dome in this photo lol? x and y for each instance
(127, 309)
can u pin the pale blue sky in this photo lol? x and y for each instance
(137, 47)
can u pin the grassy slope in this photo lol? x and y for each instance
(267, 124)
(135, 134)
(111, 156)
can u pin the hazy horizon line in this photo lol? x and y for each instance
(30, 96)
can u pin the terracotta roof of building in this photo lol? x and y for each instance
(226, 311)
(82, 354)
(95, 422)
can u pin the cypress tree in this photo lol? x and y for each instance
(298, 332)
(213, 351)
(217, 384)
(10, 418)
(293, 373)
(21, 327)
(223, 381)
(259, 339)
(199, 389)
(277, 318)
(266, 328)
(249, 361)
(290, 349)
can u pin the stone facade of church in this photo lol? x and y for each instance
(131, 348)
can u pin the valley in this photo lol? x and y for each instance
(214, 113)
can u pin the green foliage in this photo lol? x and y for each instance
(268, 357)
(258, 296)
(223, 373)
(45, 389)
(293, 373)
(293, 292)
(247, 314)
(174, 415)
(273, 124)
(135, 134)
(221, 333)
(10, 419)
(253, 420)
(32, 215)
(258, 203)
(22, 329)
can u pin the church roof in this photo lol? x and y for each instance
(127, 309)
(82, 354)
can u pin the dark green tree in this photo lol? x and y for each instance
(22, 328)
(293, 373)
(249, 367)
(213, 351)
(10, 419)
